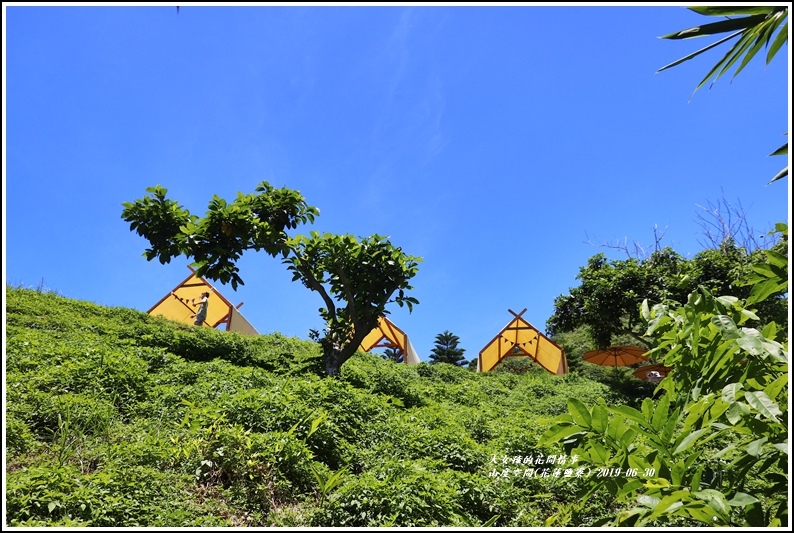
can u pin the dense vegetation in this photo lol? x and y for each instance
(714, 445)
(117, 418)
(611, 291)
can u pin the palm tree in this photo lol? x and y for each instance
(755, 27)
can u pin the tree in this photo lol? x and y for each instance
(755, 28)
(608, 299)
(446, 350)
(356, 277)
(393, 354)
(729, 381)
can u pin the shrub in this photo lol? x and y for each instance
(19, 438)
(123, 496)
(369, 372)
(402, 494)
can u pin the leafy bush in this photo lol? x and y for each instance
(119, 497)
(19, 438)
(396, 493)
(368, 372)
(234, 430)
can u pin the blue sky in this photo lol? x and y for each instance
(500, 144)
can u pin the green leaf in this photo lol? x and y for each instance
(579, 412)
(774, 388)
(775, 258)
(735, 412)
(558, 432)
(763, 404)
(491, 521)
(782, 446)
(730, 391)
(714, 28)
(762, 291)
(629, 486)
(645, 313)
(668, 504)
(780, 175)
(726, 325)
(782, 37)
(689, 440)
(662, 413)
(630, 413)
(715, 499)
(697, 53)
(729, 11)
(742, 499)
(677, 472)
(600, 418)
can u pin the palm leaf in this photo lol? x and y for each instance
(694, 54)
(714, 28)
(754, 31)
(727, 11)
(764, 35)
(783, 150)
(780, 40)
(780, 175)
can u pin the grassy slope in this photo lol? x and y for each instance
(116, 418)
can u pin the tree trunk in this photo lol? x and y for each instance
(331, 360)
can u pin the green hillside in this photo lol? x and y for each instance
(116, 418)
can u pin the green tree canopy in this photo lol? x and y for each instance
(608, 299)
(355, 277)
(446, 350)
(393, 354)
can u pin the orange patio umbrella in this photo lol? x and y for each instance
(652, 372)
(616, 356)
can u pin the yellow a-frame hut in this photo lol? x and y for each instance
(520, 338)
(176, 306)
(387, 335)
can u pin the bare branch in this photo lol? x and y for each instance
(637, 250)
(723, 222)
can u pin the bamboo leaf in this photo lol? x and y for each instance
(741, 48)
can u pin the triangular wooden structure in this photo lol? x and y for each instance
(176, 306)
(520, 338)
(387, 335)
